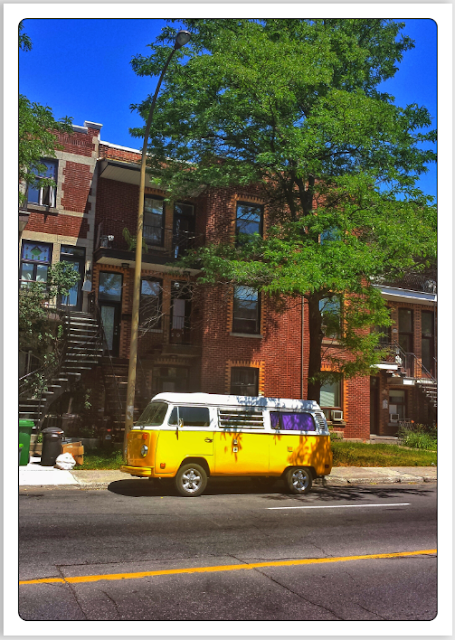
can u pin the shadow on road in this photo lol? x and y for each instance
(273, 491)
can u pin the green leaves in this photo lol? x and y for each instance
(294, 108)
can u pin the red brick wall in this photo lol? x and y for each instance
(79, 143)
(119, 154)
(76, 186)
(279, 349)
(57, 224)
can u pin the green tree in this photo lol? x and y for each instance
(295, 107)
(37, 134)
(40, 328)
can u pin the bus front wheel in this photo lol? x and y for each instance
(191, 480)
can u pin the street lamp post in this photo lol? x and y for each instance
(181, 39)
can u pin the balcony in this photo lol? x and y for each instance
(113, 250)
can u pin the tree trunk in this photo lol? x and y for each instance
(316, 335)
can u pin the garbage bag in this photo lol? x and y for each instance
(65, 461)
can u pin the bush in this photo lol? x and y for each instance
(418, 436)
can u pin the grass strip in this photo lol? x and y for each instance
(345, 454)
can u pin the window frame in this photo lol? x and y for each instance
(40, 188)
(255, 371)
(35, 263)
(408, 335)
(100, 293)
(158, 324)
(402, 404)
(252, 205)
(147, 240)
(327, 409)
(338, 334)
(239, 319)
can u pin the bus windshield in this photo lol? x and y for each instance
(153, 415)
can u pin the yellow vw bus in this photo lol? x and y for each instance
(193, 436)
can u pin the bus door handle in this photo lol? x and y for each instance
(208, 440)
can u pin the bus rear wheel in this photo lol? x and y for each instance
(191, 480)
(299, 480)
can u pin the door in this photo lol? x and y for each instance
(110, 317)
(428, 340)
(183, 232)
(110, 302)
(180, 326)
(76, 257)
(241, 443)
(374, 405)
(188, 434)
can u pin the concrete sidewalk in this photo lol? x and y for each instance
(34, 475)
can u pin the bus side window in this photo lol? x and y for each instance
(294, 421)
(190, 417)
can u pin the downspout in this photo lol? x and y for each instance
(301, 343)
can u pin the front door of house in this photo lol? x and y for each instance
(110, 303)
(110, 317)
(76, 257)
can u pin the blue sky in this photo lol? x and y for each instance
(90, 77)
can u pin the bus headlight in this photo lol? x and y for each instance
(144, 450)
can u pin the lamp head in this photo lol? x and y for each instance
(181, 39)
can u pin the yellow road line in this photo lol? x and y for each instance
(228, 567)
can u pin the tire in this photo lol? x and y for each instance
(191, 480)
(299, 480)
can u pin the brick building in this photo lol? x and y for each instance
(210, 339)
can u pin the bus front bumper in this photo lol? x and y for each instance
(142, 472)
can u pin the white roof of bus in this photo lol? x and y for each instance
(214, 399)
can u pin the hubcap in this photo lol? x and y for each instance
(191, 480)
(299, 480)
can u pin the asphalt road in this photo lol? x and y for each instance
(197, 553)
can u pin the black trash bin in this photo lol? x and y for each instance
(52, 446)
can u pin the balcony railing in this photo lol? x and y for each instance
(408, 363)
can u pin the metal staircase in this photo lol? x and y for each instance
(429, 388)
(82, 352)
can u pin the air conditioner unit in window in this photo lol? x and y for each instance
(394, 417)
(337, 415)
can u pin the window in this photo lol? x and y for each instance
(292, 421)
(190, 417)
(153, 221)
(153, 415)
(44, 195)
(110, 286)
(238, 419)
(246, 310)
(170, 379)
(329, 235)
(330, 397)
(330, 309)
(244, 381)
(385, 338)
(150, 306)
(397, 403)
(35, 262)
(248, 221)
(406, 330)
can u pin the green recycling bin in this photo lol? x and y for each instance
(25, 432)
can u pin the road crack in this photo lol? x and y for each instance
(73, 591)
(113, 602)
(295, 593)
(372, 612)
